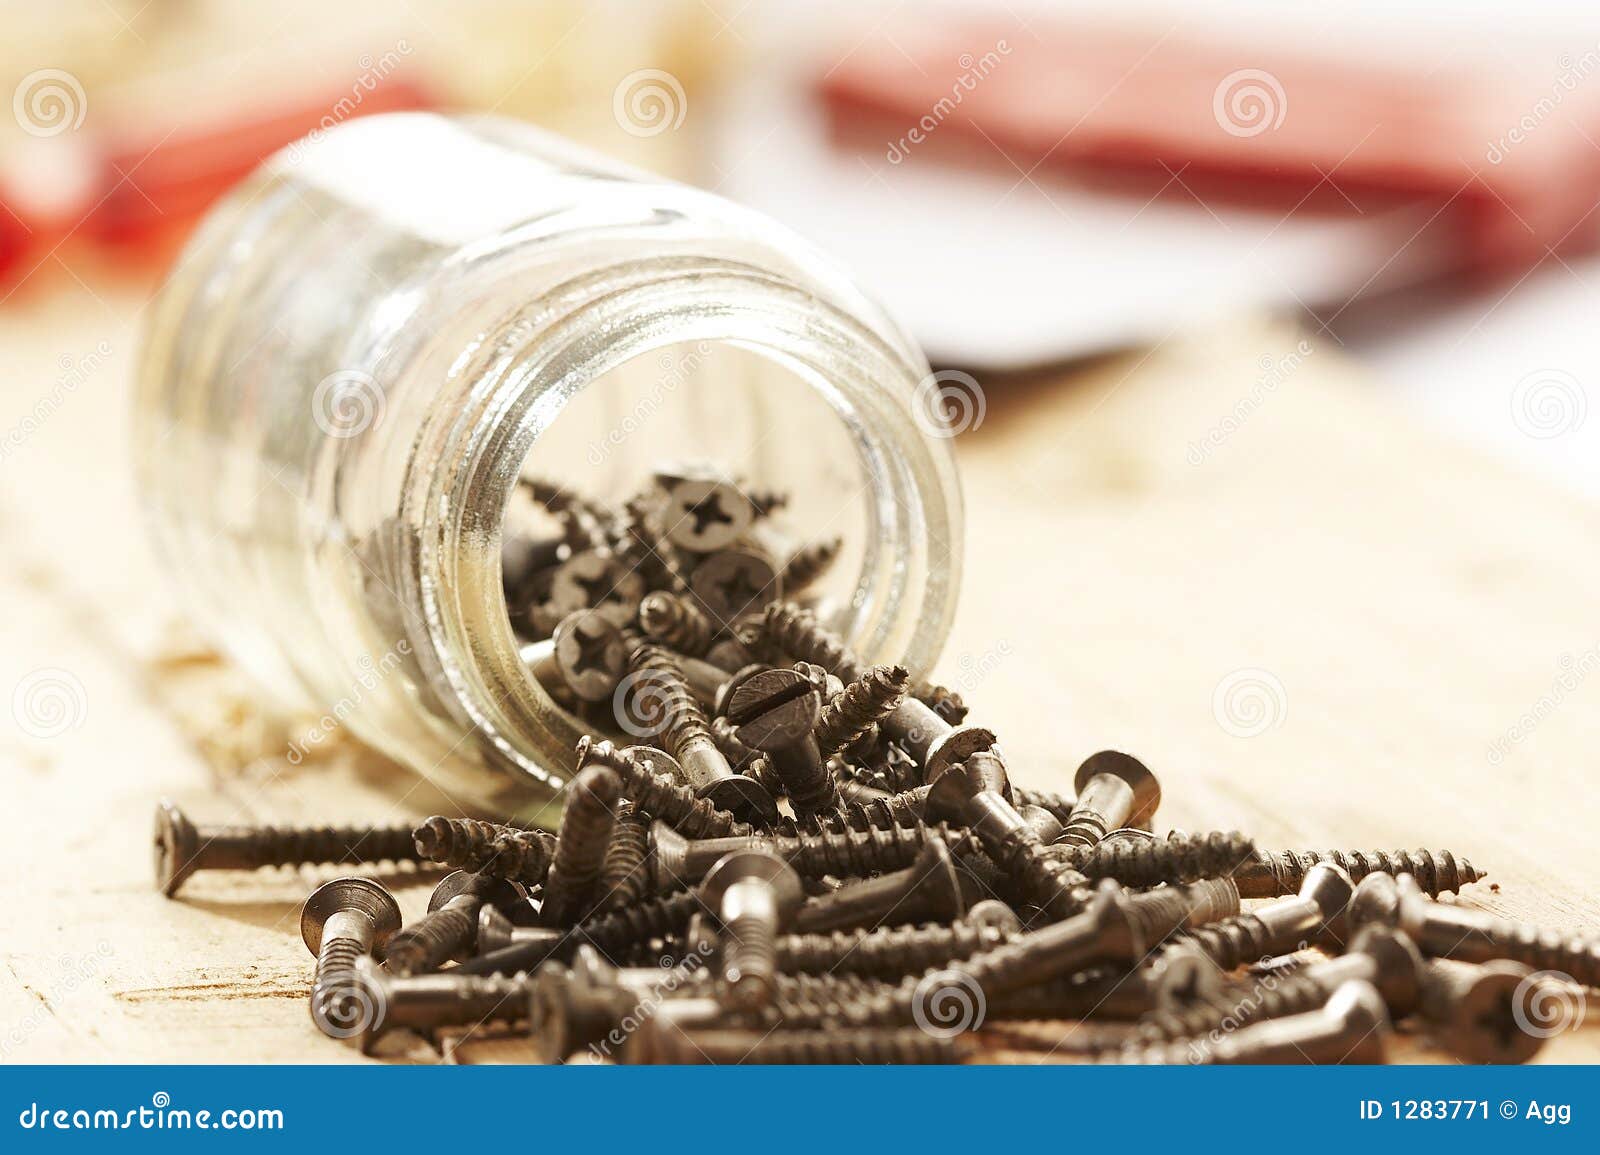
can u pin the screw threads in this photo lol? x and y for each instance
(943, 701)
(855, 853)
(875, 814)
(815, 1002)
(749, 959)
(586, 825)
(1044, 799)
(486, 848)
(1084, 830)
(1237, 1006)
(904, 1046)
(1545, 949)
(795, 632)
(684, 730)
(660, 797)
(289, 845)
(623, 879)
(431, 941)
(862, 704)
(810, 562)
(1179, 859)
(1051, 883)
(336, 984)
(676, 622)
(614, 933)
(888, 952)
(1231, 942)
(1271, 874)
(1157, 914)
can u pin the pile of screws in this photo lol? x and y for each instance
(803, 858)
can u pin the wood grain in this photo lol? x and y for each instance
(1412, 600)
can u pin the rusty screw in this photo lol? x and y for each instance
(1471, 1009)
(587, 821)
(450, 928)
(1114, 790)
(776, 711)
(929, 890)
(486, 848)
(181, 848)
(755, 895)
(860, 706)
(706, 514)
(591, 654)
(676, 622)
(343, 922)
(1316, 914)
(1268, 874)
(1350, 1028)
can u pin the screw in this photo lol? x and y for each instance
(524, 562)
(776, 711)
(582, 522)
(810, 562)
(596, 580)
(616, 935)
(343, 921)
(847, 853)
(1114, 790)
(704, 515)
(928, 738)
(929, 890)
(1378, 955)
(1473, 935)
(687, 737)
(732, 582)
(181, 848)
(894, 952)
(585, 1005)
(450, 928)
(450, 999)
(863, 703)
(1147, 861)
(625, 873)
(1271, 874)
(1471, 1009)
(591, 654)
(1046, 827)
(662, 1042)
(1278, 927)
(1045, 800)
(676, 805)
(486, 848)
(1116, 928)
(496, 932)
(581, 844)
(755, 894)
(673, 621)
(1350, 1028)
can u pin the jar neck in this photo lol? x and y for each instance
(515, 382)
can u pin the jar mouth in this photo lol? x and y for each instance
(517, 382)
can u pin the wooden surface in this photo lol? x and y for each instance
(1412, 601)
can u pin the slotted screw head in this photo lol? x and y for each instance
(773, 709)
(177, 842)
(706, 514)
(493, 891)
(349, 894)
(591, 653)
(1146, 789)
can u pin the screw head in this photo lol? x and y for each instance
(1398, 963)
(176, 844)
(1329, 886)
(1360, 1008)
(734, 582)
(591, 654)
(1185, 977)
(774, 709)
(753, 865)
(349, 894)
(493, 891)
(1376, 902)
(991, 912)
(1138, 776)
(938, 886)
(1482, 1026)
(592, 580)
(744, 798)
(705, 514)
(958, 745)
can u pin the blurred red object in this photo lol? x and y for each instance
(135, 194)
(1502, 152)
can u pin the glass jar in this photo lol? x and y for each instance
(367, 342)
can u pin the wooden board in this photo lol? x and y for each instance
(1139, 533)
